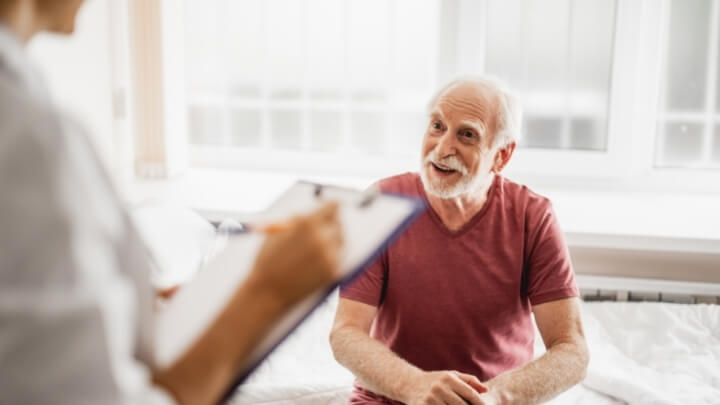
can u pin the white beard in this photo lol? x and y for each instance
(440, 188)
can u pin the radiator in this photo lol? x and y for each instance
(599, 288)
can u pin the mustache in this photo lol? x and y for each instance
(451, 162)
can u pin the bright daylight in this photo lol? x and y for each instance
(360, 202)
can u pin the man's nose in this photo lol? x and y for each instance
(446, 145)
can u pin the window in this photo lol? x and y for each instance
(688, 133)
(618, 92)
(558, 55)
(326, 77)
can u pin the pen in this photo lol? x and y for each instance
(235, 227)
(268, 229)
(366, 199)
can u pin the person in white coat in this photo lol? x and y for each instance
(75, 297)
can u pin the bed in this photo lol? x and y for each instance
(641, 352)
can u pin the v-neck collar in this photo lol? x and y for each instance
(470, 223)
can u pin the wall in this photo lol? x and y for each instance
(82, 72)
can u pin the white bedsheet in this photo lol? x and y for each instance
(654, 353)
(642, 353)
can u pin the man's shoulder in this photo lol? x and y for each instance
(522, 196)
(403, 184)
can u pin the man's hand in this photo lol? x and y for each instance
(383, 372)
(445, 388)
(562, 366)
(494, 397)
(300, 258)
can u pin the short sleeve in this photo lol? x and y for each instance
(548, 273)
(368, 287)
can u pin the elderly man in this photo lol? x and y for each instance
(444, 316)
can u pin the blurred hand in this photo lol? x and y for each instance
(445, 388)
(167, 293)
(300, 257)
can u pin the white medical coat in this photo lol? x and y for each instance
(75, 299)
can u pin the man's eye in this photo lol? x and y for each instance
(468, 134)
(437, 125)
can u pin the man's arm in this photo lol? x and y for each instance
(385, 373)
(562, 366)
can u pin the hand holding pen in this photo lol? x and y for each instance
(299, 256)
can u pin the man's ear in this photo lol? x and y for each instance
(502, 157)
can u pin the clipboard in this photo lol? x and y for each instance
(370, 221)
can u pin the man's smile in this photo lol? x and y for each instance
(442, 170)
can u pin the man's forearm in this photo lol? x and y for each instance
(561, 367)
(378, 368)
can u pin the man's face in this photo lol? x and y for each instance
(457, 152)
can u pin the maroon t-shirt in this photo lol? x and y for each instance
(461, 300)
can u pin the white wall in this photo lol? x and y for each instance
(80, 70)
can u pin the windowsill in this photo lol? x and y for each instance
(641, 220)
(647, 220)
(218, 193)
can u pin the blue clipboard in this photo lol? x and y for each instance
(371, 221)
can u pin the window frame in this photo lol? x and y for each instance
(709, 117)
(650, 64)
(628, 163)
(601, 166)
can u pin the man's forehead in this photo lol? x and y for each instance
(467, 102)
(473, 117)
(466, 119)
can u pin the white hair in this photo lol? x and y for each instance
(509, 116)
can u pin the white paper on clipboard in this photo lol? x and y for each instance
(368, 221)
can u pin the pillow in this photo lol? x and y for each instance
(178, 238)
